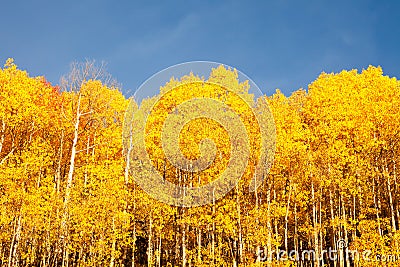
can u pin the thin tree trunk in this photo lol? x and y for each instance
(159, 251)
(64, 233)
(315, 222)
(150, 242)
(213, 229)
(3, 135)
(183, 243)
(390, 200)
(128, 156)
(199, 245)
(395, 187)
(269, 227)
(354, 218)
(376, 207)
(258, 250)
(240, 250)
(14, 243)
(58, 172)
(87, 163)
(296, 237)
(112, 261)
(346, 239)
(340, 236)
(333, 226)
(276, 226)
(134, 244)
(126, 178)
(183, 228)
(287, 219)
(321, 256)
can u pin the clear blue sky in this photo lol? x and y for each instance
(279, 44)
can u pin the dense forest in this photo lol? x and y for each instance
(69, 198)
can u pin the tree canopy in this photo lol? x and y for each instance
(68, 196)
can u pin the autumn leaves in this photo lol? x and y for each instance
(197, 138)
(68, 198)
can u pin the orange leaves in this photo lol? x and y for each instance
(27, 104)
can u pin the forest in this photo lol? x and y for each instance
(69, 198)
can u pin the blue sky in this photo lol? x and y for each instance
(279, 44)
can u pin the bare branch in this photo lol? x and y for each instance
(81, 72)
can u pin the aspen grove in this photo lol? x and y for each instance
(68, 198)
